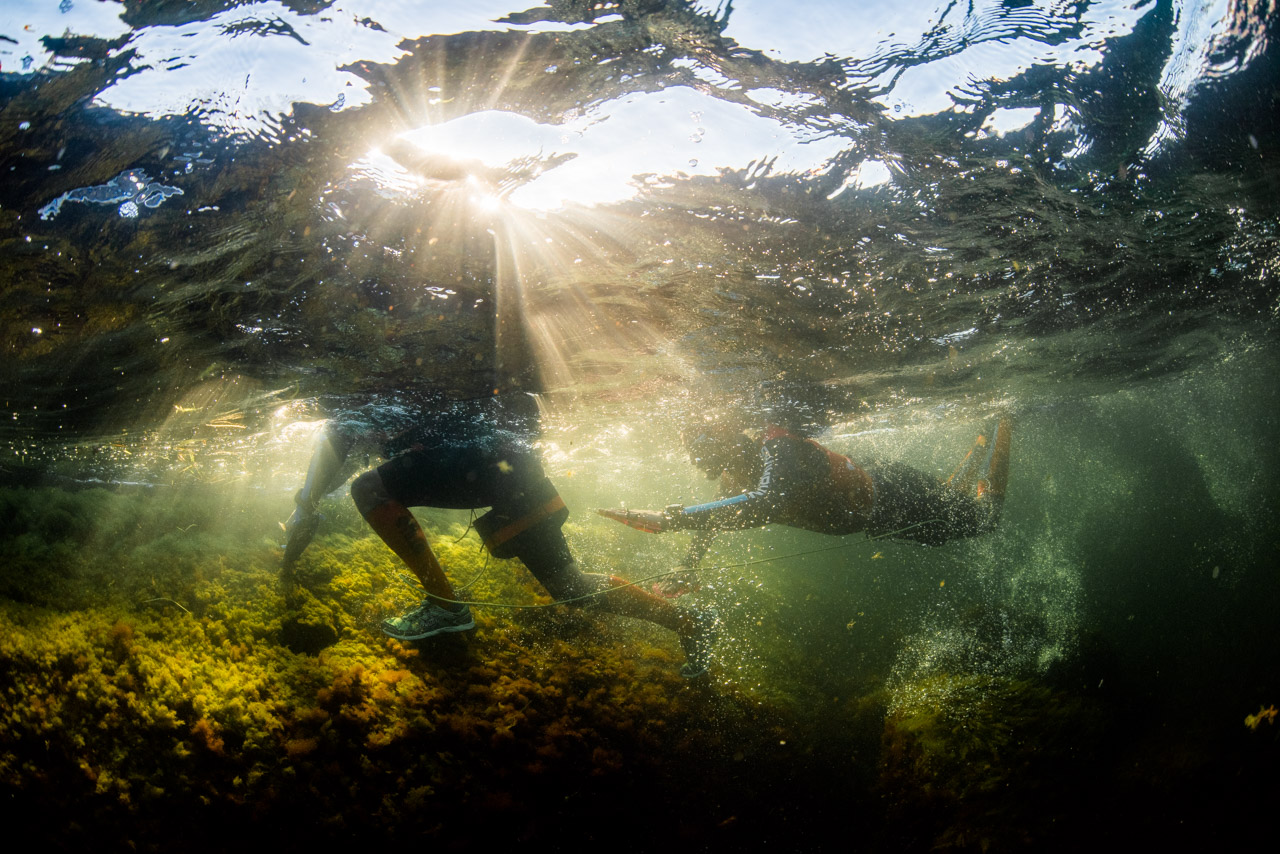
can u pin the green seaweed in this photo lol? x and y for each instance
(987, 762)
(184, 688)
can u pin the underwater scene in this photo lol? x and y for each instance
(684, 425)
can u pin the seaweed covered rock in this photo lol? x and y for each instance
(985, 762)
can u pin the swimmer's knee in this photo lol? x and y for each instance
(528, 527)
(368, 491)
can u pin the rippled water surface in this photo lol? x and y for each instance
(224, 222)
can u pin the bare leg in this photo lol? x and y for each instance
(399, 529)
(324, 474)
(631, 601)
(697, 629)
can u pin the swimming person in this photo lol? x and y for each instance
(780, 477)
(468, 455)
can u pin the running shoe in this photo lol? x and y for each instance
(428, 620)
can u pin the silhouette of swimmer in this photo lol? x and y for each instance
(780, 477)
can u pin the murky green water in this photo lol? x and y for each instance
(223, 223)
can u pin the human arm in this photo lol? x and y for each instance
(748, 509)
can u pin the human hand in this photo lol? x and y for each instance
(649, 521)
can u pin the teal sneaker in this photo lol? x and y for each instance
(428, 620)
(698, 642)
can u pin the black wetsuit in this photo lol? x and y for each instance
(480, 453)
(804, 485)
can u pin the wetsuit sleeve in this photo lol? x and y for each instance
(751, 509)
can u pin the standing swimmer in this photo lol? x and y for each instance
(783, 478)
(474, 454)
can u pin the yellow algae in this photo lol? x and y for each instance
(170, 675)
(1267, 715)
(962, 746)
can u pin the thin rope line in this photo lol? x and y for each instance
(647, 579)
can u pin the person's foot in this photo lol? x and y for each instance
(697, 642)
(428, 620)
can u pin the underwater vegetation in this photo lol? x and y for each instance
(161, 686)
(157, 677)
(1267, 715)
(989, 762)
